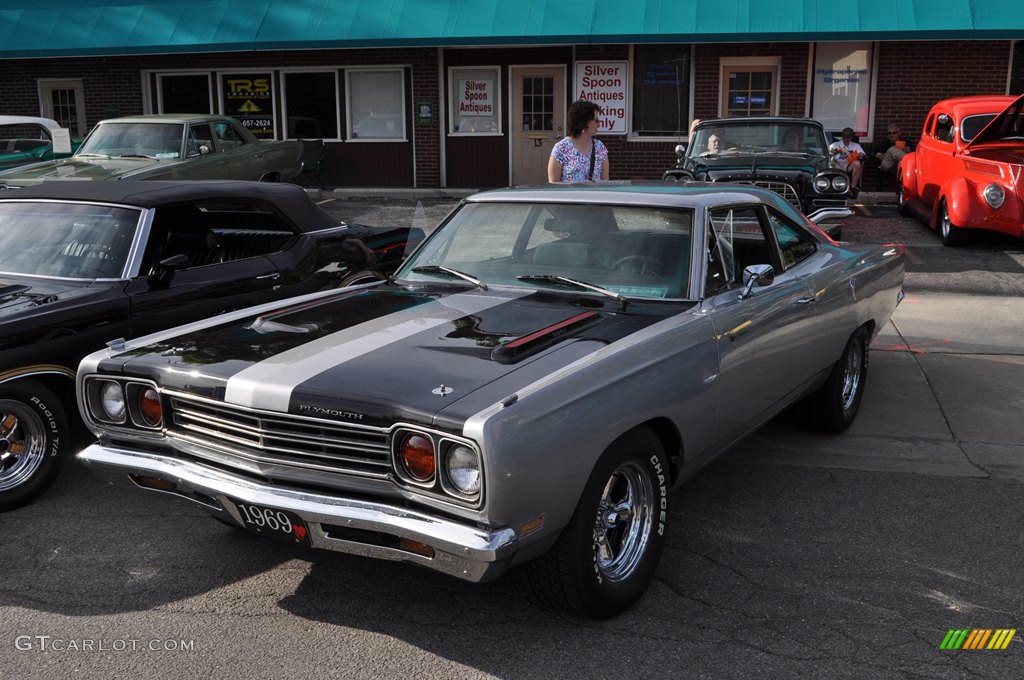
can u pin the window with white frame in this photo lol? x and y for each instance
(311, 104)
(476, 100)
(184, 93)
(842, 86)
(661, 90)
(376, 104)
(63, 101)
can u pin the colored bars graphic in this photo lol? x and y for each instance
(978, 638)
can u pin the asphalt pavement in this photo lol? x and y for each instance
(797, 555)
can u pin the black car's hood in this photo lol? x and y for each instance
(27, 295)
(734, 164)
(383, 354)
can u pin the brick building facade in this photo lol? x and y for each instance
(430, 151)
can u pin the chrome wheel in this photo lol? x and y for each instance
(853, 369)
(22, 443)
(623, 523)
(950, 234)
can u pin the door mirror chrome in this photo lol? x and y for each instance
(681, 149)
(756, 275)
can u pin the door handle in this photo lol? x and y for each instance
(805, 300)
(272, 277)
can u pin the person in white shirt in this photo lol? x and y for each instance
(848, 155)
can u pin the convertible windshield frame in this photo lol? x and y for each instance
(73, 240)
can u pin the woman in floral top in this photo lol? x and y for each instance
(570, 159)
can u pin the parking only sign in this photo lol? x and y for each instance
(604, 83)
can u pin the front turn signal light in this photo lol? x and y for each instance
(417, 453)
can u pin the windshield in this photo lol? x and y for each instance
(756, 136)
(147, 140)
(632, 251)
(66, 240)
(972, 125)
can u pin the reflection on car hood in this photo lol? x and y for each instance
(1008, 125)
(20, 295)
(81, 168)
(387, 353)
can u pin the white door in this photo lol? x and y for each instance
(538, 118)
(62, 101)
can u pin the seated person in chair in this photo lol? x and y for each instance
(893, 149)
(847, 155)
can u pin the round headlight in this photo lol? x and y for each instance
(150, 409)
(417, 454)
(463, 467)
(994, 195)
(840, 183)
(821, 183)
(112, 401)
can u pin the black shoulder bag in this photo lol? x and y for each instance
(593, 152)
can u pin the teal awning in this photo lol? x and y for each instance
(48, 28)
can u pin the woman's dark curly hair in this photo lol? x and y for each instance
(581, 112)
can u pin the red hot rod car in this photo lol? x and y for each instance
(968, 169)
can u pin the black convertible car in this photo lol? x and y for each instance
(786, 155)
(84, 264)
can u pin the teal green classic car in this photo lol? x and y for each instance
(28, 139)
(168, 147)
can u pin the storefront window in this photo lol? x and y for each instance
(185, 93)
(842, 86)
(476, 100)
(249, 97)
(661, 90)
(376, 109)
(311, 105)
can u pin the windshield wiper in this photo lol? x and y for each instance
(92, 155)
(135, 155)
(438, 269)
(554, 278)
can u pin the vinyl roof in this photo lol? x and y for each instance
(53, 28)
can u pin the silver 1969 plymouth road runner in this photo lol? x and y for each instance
(528, 387)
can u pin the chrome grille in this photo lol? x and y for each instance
(781, 188)
(280, 438)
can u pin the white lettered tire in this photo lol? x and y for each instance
(606, 556)
(33, 434)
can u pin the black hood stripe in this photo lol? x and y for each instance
(269, 384)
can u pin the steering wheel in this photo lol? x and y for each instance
(644, 265)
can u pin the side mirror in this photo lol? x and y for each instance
(944, 119)
(166, 269)
(681, 149)
(203, 150)
(756, 275)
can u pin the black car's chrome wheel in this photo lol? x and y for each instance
(33, 433)
(606, 556)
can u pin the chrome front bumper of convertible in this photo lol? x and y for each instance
(345, 525)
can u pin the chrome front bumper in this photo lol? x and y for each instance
(459, 550)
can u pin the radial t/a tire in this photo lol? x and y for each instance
(34, 437)
(607, 554)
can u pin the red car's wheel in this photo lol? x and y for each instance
(950, 234)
